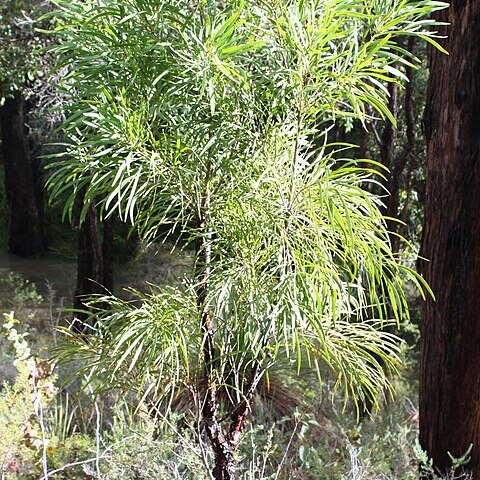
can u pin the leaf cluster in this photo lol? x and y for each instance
(21, 63)
(213, 119)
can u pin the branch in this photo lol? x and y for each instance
(242, 409)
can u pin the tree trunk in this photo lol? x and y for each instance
(95, 257)
(400, 164)
(450, 331)
(387, 155)
(89, 262)
(224, 445)
(107, 251)
(22, 182)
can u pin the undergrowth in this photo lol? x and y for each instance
(50, 430)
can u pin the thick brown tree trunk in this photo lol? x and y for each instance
(450, 331)
(22, 182)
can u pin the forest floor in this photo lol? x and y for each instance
(319, 438)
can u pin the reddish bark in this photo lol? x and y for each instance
(223, 444)
(450, 331)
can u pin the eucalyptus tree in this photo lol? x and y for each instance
(212, 119)
(450, 333)
(19, 66)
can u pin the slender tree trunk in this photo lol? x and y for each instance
(450, 330)
(94, 258)
(89, 261)
(387, 155)
(22, 182)
(222, 453)
(107, 251)
(400, 164)
(224, 442)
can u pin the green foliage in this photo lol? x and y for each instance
(299, 447)
(214, 120)
(328, 446)
(428, 471)
(18, 292)
(145, 449)
(27, 409)
(20, 62)
(142, 346)
(20, 440)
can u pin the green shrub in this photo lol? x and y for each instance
(145, 449)
(18, 292)
(28, 447)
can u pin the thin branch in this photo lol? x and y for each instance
(73, 464)
(240, 413)
(371, 126)
(284, 457)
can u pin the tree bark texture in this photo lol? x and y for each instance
(450, 330)
(23, 182)
(94, 260)
(89, 260)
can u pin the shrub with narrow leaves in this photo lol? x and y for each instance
(211, 120)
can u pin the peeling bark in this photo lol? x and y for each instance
(224, 444)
